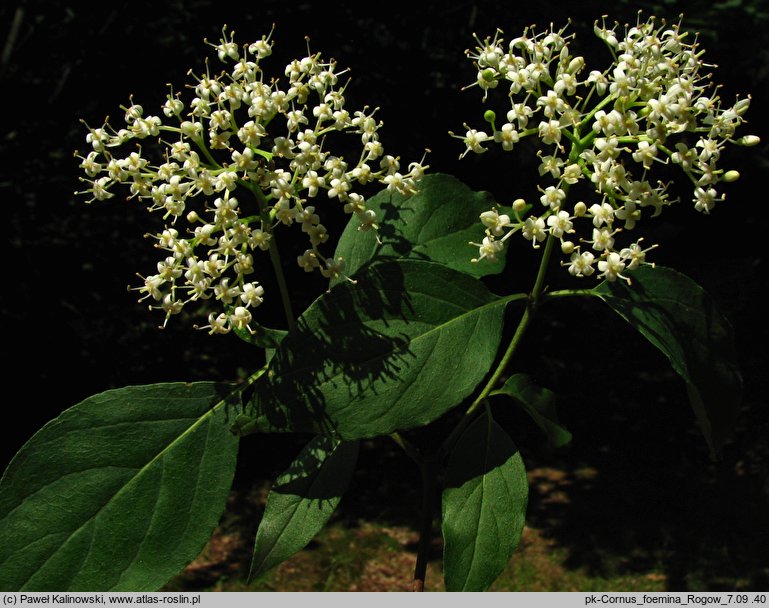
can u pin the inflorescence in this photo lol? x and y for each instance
(245, 155)
(654, 104)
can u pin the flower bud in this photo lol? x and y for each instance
(576, 65)
(731, 176)
(580, 209)
(519, 205)
(567, 247)
(749, 140)
(490, 116)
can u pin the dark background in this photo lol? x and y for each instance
(71, 328)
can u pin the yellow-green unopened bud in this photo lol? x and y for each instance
(490, 116)
(519, 205)
(749, 140)
(193, 217)
(567, 247)
(575, 65)
(731, 176)
(580, 209)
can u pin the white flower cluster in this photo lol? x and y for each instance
(606, 131)
(244, 155)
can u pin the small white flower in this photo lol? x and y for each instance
(225, 293)
(603, 239)
(645, 154)
(334, 268)
(551, 164)
(560, 224)
(488, 249)
(629, 213)
(368, 220)
(601, 214)
(219, 324)
(355, 203)
(552, 197)
(611, 268)
(260, 240)
(572, 173)
(97, 138)
(581, 264)
(474, 140)
(252, 294)
(551, 104)
(245, 160)
(312, 182)
(634, 255)
(520, 113)
(240, 318)
(308, 261)
(550, 131)
(317, 234)
(90, 165)
(339, 189)
(394, 182)
(171, 306)
(494, 222)
(507, 136)
(705, 200)
(99, 189)
(534, 230)
(599, 80)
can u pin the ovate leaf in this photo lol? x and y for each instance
(484, 506)
(400, 347)
(437, 224)
(302, 499)
(681, 320)
(539, 403)
(119, 492)
(263, 337)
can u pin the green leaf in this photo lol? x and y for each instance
(539, 403)
(484, 506)
(400, 347)
(302, 499)
(263, 337)
(435, 224)
(120, 491)
(680, 319)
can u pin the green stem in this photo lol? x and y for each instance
(599, 106)
(409, 448)
(427, 471)
(255, 376)
(275, 260)
(539, 282)
(515, 342)
(282, 286)
(567, 293)
(428, 465)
